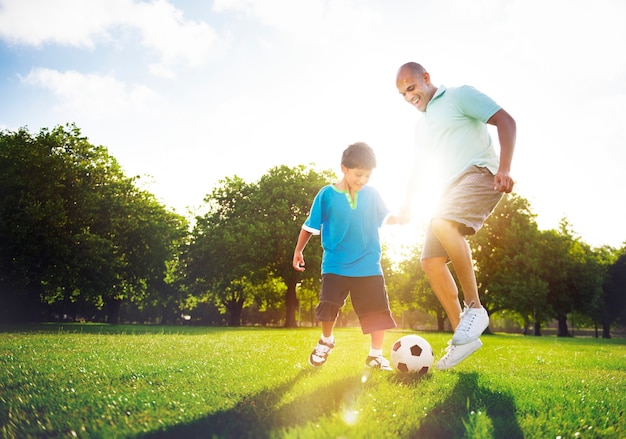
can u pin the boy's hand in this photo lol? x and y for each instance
(298, 262)
(404, 216)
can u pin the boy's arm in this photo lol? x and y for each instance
(298, 259)
(400, 218)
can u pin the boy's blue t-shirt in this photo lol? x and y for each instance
(350, 237)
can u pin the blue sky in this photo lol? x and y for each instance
(185, 93)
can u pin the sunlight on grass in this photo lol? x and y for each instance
(132, 381)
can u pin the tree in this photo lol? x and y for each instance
(221, 255)
(573, 274)
(73, 228)
(613, 300)
(250, 230)
(284, 198)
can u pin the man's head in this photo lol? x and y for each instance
(413, 82)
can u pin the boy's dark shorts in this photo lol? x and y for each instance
(468, 201)
(369, 299)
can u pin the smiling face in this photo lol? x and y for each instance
(415, 86)
(355, 178)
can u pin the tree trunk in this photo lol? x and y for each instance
(441, 322)
(563, 331)
(113, 308)
(234, 310)
(291, 305)
(606, 330)
(537, 329)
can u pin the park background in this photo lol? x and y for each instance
(129, 129)
(157, 159)
(82, 241)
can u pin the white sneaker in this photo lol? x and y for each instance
(473, 322)
(379, 362)
(457, 353)
(320, 354)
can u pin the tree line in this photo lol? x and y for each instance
(80, 240)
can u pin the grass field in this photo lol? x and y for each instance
(176, 382)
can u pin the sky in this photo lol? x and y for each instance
(187, 93)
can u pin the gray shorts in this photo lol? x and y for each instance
(468, 201)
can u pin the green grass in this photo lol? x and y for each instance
(161, 382)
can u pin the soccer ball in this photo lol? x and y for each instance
(412, 354)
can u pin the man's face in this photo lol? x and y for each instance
(415, 88)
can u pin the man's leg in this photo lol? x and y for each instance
(443, 285)
(461, 257)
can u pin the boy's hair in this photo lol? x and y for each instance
(359, 155)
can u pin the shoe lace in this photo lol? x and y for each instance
(466, 323)
(322, 349)
(379, 361)
(450, 347)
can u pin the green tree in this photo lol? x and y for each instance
(612, 308)
(250, 230)
(573, 274)
(73, 227)
(221, 254)
(284, 199)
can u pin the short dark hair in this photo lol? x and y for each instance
(359, 155)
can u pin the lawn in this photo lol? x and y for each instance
(175, 382)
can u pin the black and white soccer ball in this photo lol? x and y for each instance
(412, 354)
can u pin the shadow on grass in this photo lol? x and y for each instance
(257, 416)
(446, 420)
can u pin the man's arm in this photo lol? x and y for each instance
(507, 131)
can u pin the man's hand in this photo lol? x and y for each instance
(502, 182)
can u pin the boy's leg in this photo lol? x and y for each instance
(332, 297)
(324, 346)
(377, 339)
(375, 359)
(371, 305)
(327, 329)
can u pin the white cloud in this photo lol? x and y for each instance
(313, 21)
(78, 23)
(65, 22)
(165, 30)
(90, 95)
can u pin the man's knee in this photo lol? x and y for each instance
(433, 265)
(444, 227)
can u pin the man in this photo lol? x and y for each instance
(453, 139)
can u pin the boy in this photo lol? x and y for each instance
(348, 215)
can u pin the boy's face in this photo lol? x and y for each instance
(356, 178)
